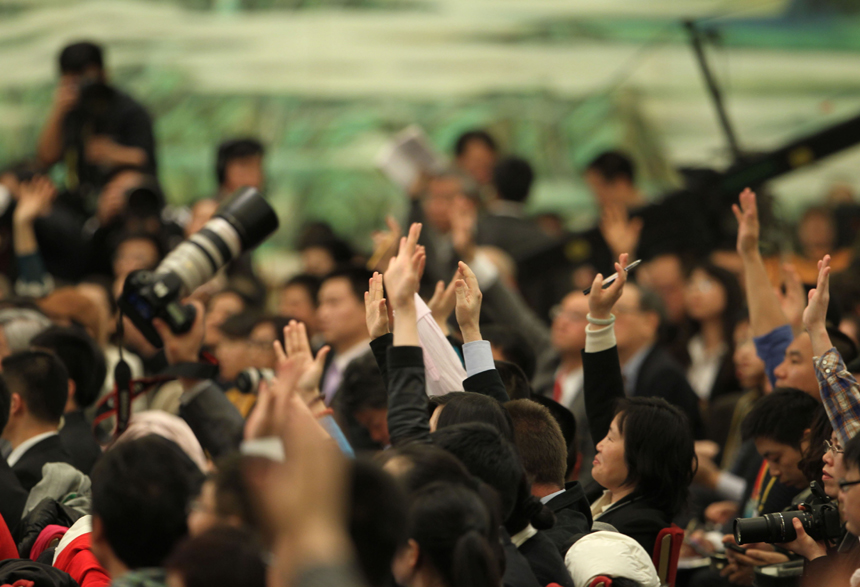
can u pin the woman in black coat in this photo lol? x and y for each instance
(645, 457)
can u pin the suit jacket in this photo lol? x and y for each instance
(545, 560)
(518, 573)
(634, 516)
(572, 517)
(12, 496)
(662, 376)
(78, 439)
(28, 469)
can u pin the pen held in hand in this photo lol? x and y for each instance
(611, 279)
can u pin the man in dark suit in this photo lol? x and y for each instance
(85, 363)
(38, 390)
(544, 454)
(647, 369)
(12, 495)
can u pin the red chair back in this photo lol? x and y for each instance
(600, 581)
(667, 551)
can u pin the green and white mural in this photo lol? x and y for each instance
(325, 82)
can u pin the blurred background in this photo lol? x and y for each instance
(325, 83)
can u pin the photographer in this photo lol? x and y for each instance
(92, 126)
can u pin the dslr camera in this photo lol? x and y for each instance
(240, 224)
(820, 519)
(249, 380)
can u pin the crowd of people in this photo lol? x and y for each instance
(450, 409)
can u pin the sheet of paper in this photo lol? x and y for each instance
(407, 155)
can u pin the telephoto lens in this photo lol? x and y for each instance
(249, 380)
(240, 224)
(820, 521)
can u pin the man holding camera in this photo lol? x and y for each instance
(92, 126)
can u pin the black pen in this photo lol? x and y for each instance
(611, 279)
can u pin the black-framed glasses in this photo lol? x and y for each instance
(844, 485)
(833, 448)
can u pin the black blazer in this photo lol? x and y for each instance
(28, 469)
(215, 421)
(662, 376)
(12, 496)
(603, 386)
(572, 517)
(78, 439)
(545, 561)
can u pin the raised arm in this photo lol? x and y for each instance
(408, 419)
(480, 367)
(35, 198)
(602, 382)
(840, 393)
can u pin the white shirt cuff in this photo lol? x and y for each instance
(478, 356)
(601, 338)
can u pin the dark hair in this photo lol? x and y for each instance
(427, 464)
(851, 457)
(782, 416)
(516, 383)
(377, 520)
(455, 535)
(539, 441)
(811, 464)
(567, 423)
(650, 302)
(41, 380)
(5, 404)
(362, 387)
(77, 57)
(239, 326)
(320, 235)
(514, 347)
(310, 283)
(612, 166)
(141, 492)
(658, 450)
(513, 177)
(222, 556)
(734, 299)
(357, 276)
(478, 135)
(487, 455)
(463, 407)
(82, 357)
(229, 151)
(843, 343)
(232, 495)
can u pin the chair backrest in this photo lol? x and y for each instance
(667, 551)
(600, 581)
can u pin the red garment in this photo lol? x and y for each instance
(8, 548)
(79, 561)
(48, 535)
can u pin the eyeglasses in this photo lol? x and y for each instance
(833, 448)
(844, 485)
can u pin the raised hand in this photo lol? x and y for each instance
(34, 199)
(442, 303)
(468, 304)
(376, 308)
(601, 301)
(620, 231)
(748, 224)
(298, 347)
(815, 315)
(404, 272)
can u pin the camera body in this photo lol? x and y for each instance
(820, 519)
(240, 224)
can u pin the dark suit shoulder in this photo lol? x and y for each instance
(572, 517)
(545, 560)
(12, 496)
(28, 468)
(639, 520)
